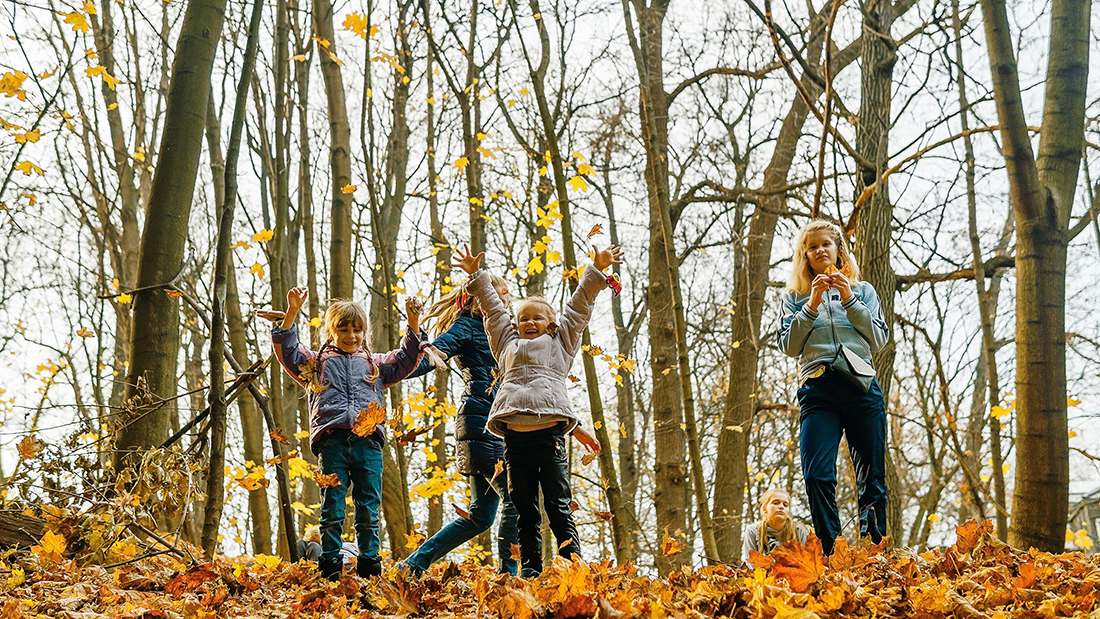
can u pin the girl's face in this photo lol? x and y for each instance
(821, 251)
(505, 298)
(349, 337)
(777, 510)
(532, 321)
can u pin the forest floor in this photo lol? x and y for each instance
(976, 577)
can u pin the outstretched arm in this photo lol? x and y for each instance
(578, 311)
(498, 324)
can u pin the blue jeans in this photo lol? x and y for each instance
(485, 497)
(538, 460)
(831, 407)
(357, 460)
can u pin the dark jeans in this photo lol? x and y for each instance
(356, 461)
(485, 496)
(538, 459)
(831, 407)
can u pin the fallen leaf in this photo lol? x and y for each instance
(368, 419)
(326, 481)
(799, 564)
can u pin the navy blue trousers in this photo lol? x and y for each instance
(830, 408)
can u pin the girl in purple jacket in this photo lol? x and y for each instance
(342, 380)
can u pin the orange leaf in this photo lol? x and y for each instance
(497, 470)
(969, 534)
(462, 513)
(605, 516)
(799, 564)
(586, 459)
(514, 551)
(670, 546)
(278, 435)
(411, 435)
(29, 447)
(760, 560)
(190, 580)
(326, 481)
(1027, 577)
(368, 419)
(842, 555)
(574, 378)
(574, 506)
(564, 544)
(596, 229)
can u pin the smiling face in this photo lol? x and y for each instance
(821, 251)
(349, 336)
(777, 510)
(533, 319)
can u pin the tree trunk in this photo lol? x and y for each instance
(154, 336)
(340, 243)
(670, 466)
(874, 227)
(1042, 194)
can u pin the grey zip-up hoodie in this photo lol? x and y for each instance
(805, 333)
(533, 373)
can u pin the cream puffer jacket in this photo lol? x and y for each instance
(534, 373)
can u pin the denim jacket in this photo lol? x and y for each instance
(806, 334)
(344, 378)
(534, 373)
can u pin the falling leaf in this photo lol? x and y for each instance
(349, 188)
(462, 162)
(461, 512)
(263, 236)
(671, 546)
(173, 294)
(605, 516)
(596, 229)
(587, 459)
(257, 270)
(368, 419)
(29, 447)
(577, 183)
(326, 481)
(78, 21)
(574, 378)
(84, 332)
(515, 552)
(26, 167)
(413, 541)
(568, 541)
(124, 298)
(497, 470)
(279, 436)
(534, 266)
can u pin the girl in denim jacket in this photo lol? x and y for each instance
(825, 308)
(532, 412)
(343, 380)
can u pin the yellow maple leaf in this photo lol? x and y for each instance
(462, 162)
(84, 332)
(535, 265)
(31, 136)
(51, 547)
(258, 270)
(263, 236)
(577, 183)
(349, 188)
(124, 298)
(26, 167)
(267, 561)
(585, 169)
(78, 21)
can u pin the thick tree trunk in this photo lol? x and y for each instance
(874, 227)
(1042, 194)
(154, 336)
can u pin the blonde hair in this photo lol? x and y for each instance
(789, 530)
(801, 274)
(313, 534)
(447, 309)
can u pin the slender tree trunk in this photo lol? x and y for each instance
(154, 336)
(1042, 191)
(340, 243)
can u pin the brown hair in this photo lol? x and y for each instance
(541, 302)
(786, 534)
(801, 274)
(343, 312)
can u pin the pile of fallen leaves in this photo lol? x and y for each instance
(976, 577)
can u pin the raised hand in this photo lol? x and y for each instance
(295, 297)
(602, 259)
(466, 261)
(413, 308)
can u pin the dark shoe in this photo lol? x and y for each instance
(368, 566)
(331, 569)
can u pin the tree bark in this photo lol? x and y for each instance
(154, 336)
(1042, 191)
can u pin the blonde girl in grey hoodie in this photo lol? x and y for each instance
(531, 411)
